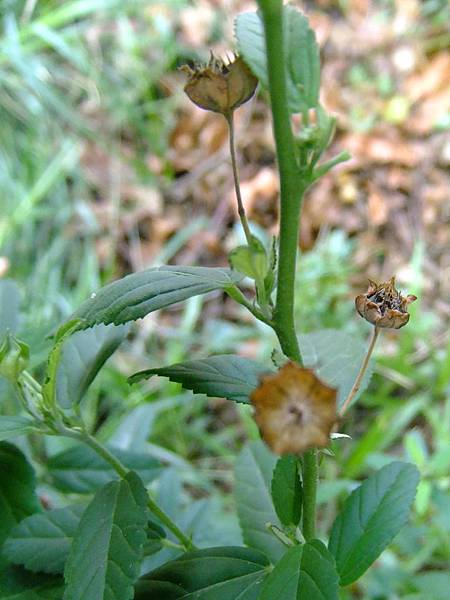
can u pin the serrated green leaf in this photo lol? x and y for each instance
(139, 294)
(302, 61)
(83, 355)
(41, 542)
(223, 573)
(221, 376)
(287, 490)
(106, 552)
(336, 357)
(81, 470)
(253, 477)
(305, 572)
(14, 426)
(16, 583)
(17, 489)
(371, 517)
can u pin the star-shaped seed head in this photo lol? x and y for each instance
(294, 410)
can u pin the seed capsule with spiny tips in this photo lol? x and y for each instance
(383, 305)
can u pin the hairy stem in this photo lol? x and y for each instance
(361, 373)
(237, 186)
(292, 188)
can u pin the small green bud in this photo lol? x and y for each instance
(14, 357)
(326, 125)
(250, 260)
(317, 136)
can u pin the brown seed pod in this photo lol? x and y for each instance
(220, 87)
(383, 305)
(294, 410)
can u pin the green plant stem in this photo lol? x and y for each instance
(102, 451)
(237, 186)
(235, 293)
(292, 189)
(121, 470)
(171, 525)
(363, 369)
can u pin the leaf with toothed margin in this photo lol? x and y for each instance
(221, 376)
(252, 491)
(306, 572)
(302, 60)
(138, 294)
(41, 542)
(223, 573)
(107, 548)
(371, 517)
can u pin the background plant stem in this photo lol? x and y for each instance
(292, 188)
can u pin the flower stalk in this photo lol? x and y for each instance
(237, 186)
(362, 371)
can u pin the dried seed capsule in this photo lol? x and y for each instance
(383, 305)
(294, 410)
(220, 87)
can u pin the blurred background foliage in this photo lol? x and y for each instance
(106, 168)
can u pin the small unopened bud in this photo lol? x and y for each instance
(220, 87)
(383, 305)
(14, 357)
(294, 410)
